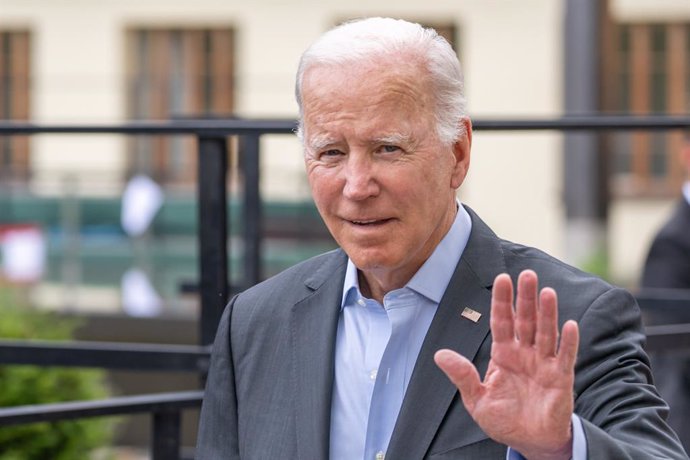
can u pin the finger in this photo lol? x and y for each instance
(567, 351)
(502, 317)
(526, 307)
(546, 338)
(462, 373)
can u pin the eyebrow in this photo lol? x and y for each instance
(319, 142)
(322, 141)
(393, 138)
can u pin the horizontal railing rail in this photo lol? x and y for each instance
(205, 128)
(667, 337)
(286, 126)
(666, 316)
(120, 405)
(107, 355)
(165, 408)
(655, 298)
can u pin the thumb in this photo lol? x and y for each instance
(463, 374)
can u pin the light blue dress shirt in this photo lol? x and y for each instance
(377, 347)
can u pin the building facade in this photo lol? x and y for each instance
(109, 61)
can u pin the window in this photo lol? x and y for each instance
(176, 73)
(648, 73)
(14, 103)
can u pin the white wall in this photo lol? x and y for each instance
(632, 226)
(512, 58)
(650, 11)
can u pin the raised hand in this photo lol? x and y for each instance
(526, 398)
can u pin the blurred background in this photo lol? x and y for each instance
(102, 229)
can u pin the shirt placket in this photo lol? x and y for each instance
(389, 388)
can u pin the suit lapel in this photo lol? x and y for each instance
(430, 393)
(313, 326)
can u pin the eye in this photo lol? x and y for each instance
(330, 155)
(389, 149)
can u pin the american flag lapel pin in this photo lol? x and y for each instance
(472, 315)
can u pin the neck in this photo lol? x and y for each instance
(376, 285)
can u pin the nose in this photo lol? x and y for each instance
(360, 178)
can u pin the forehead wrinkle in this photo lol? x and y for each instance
(406, 83)
(402, 91)
(373, 90)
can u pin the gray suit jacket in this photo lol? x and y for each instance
(268, 394)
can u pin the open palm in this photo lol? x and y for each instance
(526, 398)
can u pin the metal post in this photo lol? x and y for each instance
(166, 435)
(71, 222)
(251, 210)
(584, 172)
(213, 233)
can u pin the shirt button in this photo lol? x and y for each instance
(361, 302)
(380, 455)
(373, 374)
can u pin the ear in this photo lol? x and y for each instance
(461, 153)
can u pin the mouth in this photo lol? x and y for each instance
(369, 222)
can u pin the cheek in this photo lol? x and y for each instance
(439, 177)
(424, 181)
(324, 189)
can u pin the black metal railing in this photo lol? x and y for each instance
(214, 288)
(165, 409)
(666, 315)
(126, 356)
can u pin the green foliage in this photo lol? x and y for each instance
(20, 385)
(597, 264)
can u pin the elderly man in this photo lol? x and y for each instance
(360, 353)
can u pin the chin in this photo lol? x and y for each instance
(369, 262)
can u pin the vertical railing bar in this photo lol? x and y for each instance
(213, 233)
(166, 435)
(252, 210)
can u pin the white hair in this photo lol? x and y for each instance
(366, 39)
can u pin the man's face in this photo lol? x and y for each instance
(382, 181)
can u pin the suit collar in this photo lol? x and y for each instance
(333, 263)
(430, 393)
(484, 254)
(314, 322)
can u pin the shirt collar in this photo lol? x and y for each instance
(432, 279)
(686, 191)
